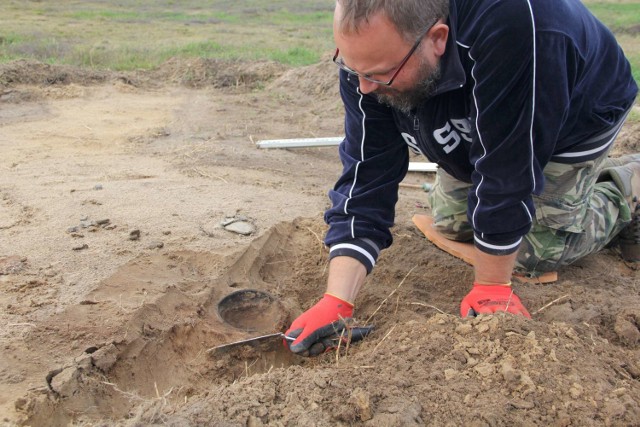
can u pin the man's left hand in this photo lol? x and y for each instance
(487, 299)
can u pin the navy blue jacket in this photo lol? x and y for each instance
(524, 82)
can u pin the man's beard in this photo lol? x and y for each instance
(407, 100)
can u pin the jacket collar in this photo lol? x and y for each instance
(452, 72)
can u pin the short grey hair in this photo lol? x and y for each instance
(410, 17)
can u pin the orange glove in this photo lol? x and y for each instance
(325, 319)
(487, 299)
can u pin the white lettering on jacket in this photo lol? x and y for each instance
(412, 143)
(450, 136)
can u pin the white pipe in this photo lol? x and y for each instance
(299, 142)
(331, 141)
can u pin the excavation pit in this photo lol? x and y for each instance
(252, 311)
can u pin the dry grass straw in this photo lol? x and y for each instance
(430, 306)
(396, 309)
(321, 246)
(382, 340)
(207, 175)
(544, 307)
(390, 295)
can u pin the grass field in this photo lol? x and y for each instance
(141, 34)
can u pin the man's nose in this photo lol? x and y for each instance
(367, 86)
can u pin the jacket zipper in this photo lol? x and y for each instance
(427, 152)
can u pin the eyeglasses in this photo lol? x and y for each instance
(340, 63)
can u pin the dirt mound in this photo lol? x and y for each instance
(27, 72)
(576, 363)
(628, 140)
(26, 80)
(314, 80)
(493, 371)
(196, 73)
(23, 80)
(199, 72)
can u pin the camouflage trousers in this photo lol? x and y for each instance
(577, 214)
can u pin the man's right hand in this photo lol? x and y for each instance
(324, 319)
(489, 299)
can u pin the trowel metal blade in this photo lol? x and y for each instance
(264, 343)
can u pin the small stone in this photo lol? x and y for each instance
(73, 229)
(254, 422)
(134, 235)
(474, 350)
(632, 369)
(522, 404)
(450, 374)
(464, 328)
(626, 328)
(22, 404)
(483, 327)
(97, 187)
(576, 390)
(510, 375)
(320, 382)
(104, 221)
(227, 221)
(12, 264)
(80, 247)
(156, 244)
(241, 227)
(485, 369)
(105, 357)
(619, 392)
(361, 400)
(571, 333)
(62, 379)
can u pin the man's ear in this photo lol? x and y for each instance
(438, 36)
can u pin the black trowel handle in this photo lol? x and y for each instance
(358, 333)
(349, 334)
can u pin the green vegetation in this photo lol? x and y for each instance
(635, 67)
(141, 34)
(619, 16)
(157, 16)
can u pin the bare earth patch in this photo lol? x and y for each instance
(114, 188)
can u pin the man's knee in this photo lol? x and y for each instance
(452, 229)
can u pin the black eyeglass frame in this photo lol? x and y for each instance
(353, 72)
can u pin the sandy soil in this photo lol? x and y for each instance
(113, 189)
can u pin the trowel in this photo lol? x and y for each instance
(264, 343)
(275, 341)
